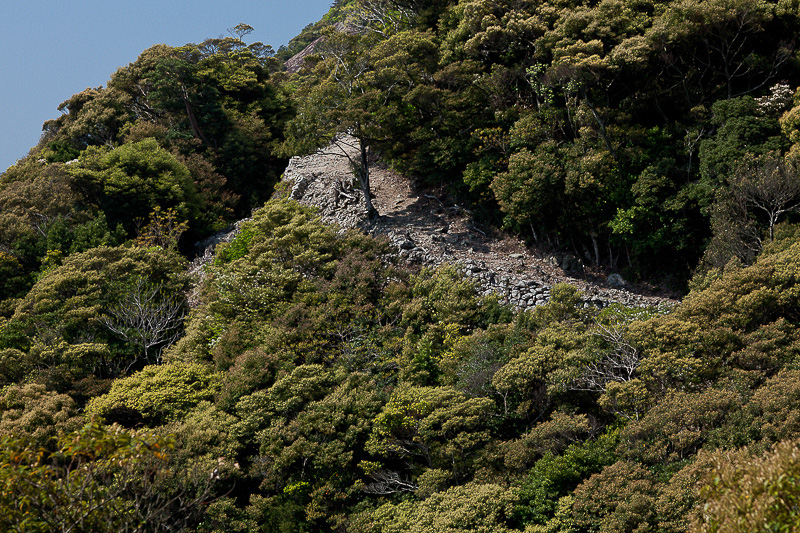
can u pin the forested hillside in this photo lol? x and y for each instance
(318, 382)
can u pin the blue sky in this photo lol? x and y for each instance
(52, 49)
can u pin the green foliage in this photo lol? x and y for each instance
(41, 212)
(61, 315)
(676, 427)
(320, 386)
(552, 436)
(293, 286)
(235, 249)
(286, 396)
(312, 429)
(32, 194)
(532, 186)
(742, 129)
(747, 493)
(69, 237)
(434, 427)
(619, 498)
(442, 297)
(555, 476)
(131, 181)
(205, 434)
(482, 508)
(93, 117)
(292, 242)
(161, 393)
(554, 360)
(14, 279)
(740, 320)
(99, 479)
(211, 105)
(762, 190)
(33, 412)
(770, 415)
(163, 229)
(550, 110)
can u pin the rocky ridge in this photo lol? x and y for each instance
(429, 230)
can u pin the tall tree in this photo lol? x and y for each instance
(332, 107)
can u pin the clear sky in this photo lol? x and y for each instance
(52, 49)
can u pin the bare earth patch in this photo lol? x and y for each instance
(430, 229)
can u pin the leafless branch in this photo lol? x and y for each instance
(619, 364)
(146, 318)
(382, 17)
(388, 482)
(771, 185)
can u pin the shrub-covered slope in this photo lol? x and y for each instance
(321, 385)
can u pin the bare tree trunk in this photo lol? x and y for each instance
(359, 165)
(596, 247)
(192, 119)
(611, 259)
(363, 171)
(603, 133)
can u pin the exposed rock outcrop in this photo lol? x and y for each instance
(426, 231)
(297, 61)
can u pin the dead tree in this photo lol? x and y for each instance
(146, 318)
